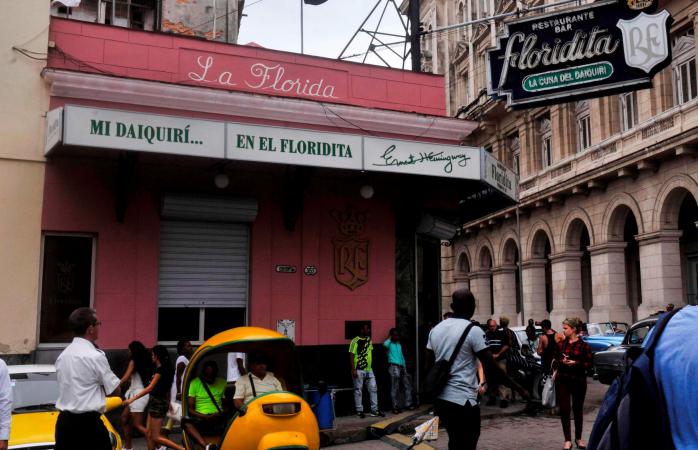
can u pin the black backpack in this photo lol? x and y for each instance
(634, 414)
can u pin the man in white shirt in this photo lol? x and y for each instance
(5, 405)
(84, 377)
(255, 383)
(236, 366)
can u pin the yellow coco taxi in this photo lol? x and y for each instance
(275, 420)
(34, 392)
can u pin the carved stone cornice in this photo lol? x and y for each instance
(659, 236)
(505, 269)
(480, 274)
(566, 256)
(534, 263)
(608, 247)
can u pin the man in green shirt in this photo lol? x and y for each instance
(360, 358)
(205, 405)
(397, 369)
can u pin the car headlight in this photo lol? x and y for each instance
(284, 409)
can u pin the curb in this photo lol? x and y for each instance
(376, 430)
(404, 442)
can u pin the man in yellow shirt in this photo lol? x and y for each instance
(258, 381)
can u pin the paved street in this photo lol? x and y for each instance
(520, 432)
(531, 433)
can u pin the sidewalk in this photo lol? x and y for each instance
(351, 429)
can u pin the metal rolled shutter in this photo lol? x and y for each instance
(208, 208)
(203, 264)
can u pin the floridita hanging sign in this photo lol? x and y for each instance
(608, 47)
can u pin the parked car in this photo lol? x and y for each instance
(603, 335)
(611, 363)
(528, 365)
(528, 348)
(34, 413)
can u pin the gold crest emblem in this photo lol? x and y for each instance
(639, 5)
(350, 249)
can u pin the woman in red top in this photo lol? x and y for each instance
(572, 361)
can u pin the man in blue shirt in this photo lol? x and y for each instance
(676, 371)
(398, 371)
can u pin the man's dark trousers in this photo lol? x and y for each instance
(462, 424)
(81, 432)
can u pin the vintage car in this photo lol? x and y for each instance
(34, 414)
(603, 335)
(611, 363)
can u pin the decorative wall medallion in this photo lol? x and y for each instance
(310, 270)
(350, 249)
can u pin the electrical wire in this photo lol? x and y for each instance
(252, 4)
(28, 54)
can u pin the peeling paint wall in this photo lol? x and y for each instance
(211, 19)
(217, 20)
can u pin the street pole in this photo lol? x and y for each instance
(301, 27)
(520, 264)
(416, 311)
(415, 44)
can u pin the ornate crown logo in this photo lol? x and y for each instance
(350, 250)
(350, 222)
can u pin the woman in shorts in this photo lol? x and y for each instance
(138, 374)
(159, 403)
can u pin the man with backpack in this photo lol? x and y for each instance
(460, 341)
(653, 405)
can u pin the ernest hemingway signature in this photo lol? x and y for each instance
(423, 157)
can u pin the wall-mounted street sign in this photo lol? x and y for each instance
(498, 175)
(607, 47)
(135, 131)
(392, 155)
(293, 146)
(126, 130)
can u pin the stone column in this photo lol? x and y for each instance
(504, 282)
(480, 287)
(608, 283)
(533, 275)
(660, 268)
(567, 287)
(447, 277)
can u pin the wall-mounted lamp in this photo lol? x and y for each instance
(221, 180)
(367, 191)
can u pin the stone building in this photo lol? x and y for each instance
(607, 214)
(217, 20)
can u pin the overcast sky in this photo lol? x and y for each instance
(275, 24)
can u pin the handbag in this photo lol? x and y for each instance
(174, 412)
(438, 375)
(548, 396)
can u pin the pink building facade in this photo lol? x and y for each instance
(209, 185)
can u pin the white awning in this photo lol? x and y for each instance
(174, 135)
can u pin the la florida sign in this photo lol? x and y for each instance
(608, 47)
